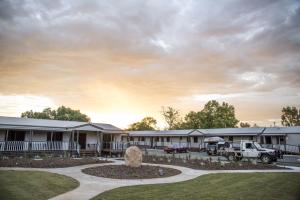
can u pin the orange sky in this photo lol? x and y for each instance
(119, 61)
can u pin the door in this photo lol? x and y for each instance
(249, 150)
(82, 140)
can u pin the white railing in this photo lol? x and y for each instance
(37, 146)
(115, 145)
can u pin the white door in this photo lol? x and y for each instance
(249, 150)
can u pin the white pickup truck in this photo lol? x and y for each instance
(247, 149)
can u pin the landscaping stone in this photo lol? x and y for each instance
(133, 157)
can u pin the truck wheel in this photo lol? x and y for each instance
(265, 159)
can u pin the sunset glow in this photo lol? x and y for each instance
(119, 61)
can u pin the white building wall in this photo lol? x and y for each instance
(39, 136)
(66, 136)
(293, 139)
(91, 138)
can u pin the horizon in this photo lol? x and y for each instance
(119, 62)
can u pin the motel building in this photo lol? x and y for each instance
(39, 135)
(284, 138)
(82, 138)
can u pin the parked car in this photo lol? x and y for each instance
(175, 148)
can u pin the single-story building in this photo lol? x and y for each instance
(24, 134)
(277, 137)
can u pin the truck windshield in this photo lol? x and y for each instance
(257, 145)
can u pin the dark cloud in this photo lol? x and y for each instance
(150, 52)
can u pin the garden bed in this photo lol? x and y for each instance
(208, 164)
(54, 162)
(125, 172)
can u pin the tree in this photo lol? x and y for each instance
(62, 113)
(147, 123)
(290, 116)
(213, 115)
(219, 116)
(193, 120)
(172, 117)
(244, 125)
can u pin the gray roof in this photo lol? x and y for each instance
(54, 125)
(161, 133)
(232, 131)
(282, 130)
(221, 132)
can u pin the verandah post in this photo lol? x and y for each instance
(110, 146)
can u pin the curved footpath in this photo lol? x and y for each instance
(91, 186)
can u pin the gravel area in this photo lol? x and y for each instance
(48, 162)
(125, 172)
(208, 164)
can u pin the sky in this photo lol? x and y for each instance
(119, 61)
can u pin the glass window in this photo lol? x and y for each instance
(168, 139)
(195, 139)
(249, 146)
(230, 138)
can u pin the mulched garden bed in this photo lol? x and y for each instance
(208, 164)
(54, 162)
(125, 172)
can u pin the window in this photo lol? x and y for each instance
(58, 136)
(143, 139)
(156, 139)
(180, 138)
(281, 139)
(162, 139)
(195, 139)
(249, 146)
(262, 139)
(168, 139)
(251, 137)
(131, 138)
(231, 138)
(268, 140)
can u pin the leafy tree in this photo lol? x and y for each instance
(172, 117)
(244, 125)
(62, 113)
(290, 116)
(213, 115)
(219, 115)
(193, 120)
(147, 123)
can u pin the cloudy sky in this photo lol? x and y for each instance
(119, 61)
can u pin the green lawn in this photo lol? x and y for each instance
(216, 186)
(33, 185)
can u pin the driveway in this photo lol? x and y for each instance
(91, 186)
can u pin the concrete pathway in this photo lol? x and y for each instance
(91, 186)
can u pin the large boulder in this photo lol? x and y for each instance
(133, 157)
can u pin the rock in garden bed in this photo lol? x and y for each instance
(53, 162)
(126, 172)
(207, 164)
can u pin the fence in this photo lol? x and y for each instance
(38, 146)
(287, 148)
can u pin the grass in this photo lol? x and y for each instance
(216, 186)
(33, 185)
